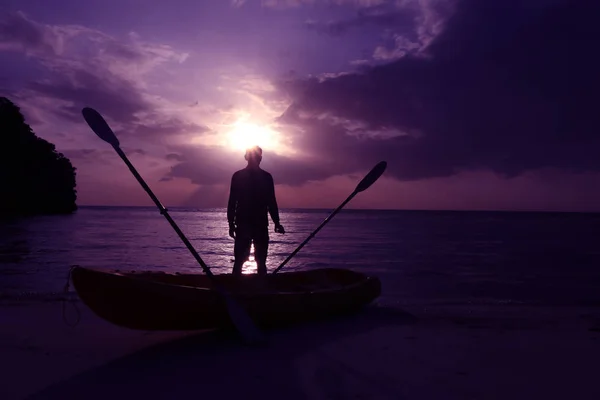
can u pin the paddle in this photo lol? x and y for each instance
(241, 320)
(363, 185)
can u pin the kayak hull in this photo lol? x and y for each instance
(159, 301)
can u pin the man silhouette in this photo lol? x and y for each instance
(251, 199)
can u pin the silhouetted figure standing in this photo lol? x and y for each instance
(251, 199)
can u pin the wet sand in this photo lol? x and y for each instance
(486, 352)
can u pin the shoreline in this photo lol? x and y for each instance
(349, 208)
(492, 352)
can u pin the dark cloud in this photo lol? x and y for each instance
(117, 100)
(98, 154)
(283, 4)
(85, 67)
(378, 16)
(112, 95)
(17, 32)
(290, 171)
(86, 154)
(338, 149)
(126, 52)
(206, 165)
(214, 196)
(141, 152)
(509, 86)
(173, 157)
(164, 128)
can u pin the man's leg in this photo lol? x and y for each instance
(241, 250)
(261, 247)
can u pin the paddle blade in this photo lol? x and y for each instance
(371, 177)
(99, 126)
(243, 323)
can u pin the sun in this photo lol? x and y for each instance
(244, 135)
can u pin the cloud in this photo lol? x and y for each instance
(19, 33)
(380, 16)
(406, 27)
(400, 47)
(162, 126)
(77, 88)
(214, 165)
(507, 87)
(174, 157)
(285, 3)
(282, 4)
(98, 154)
(113, 75)
(202, 165)
(79, 46)
(86, 67)
(85, 154)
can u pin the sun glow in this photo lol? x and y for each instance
(243, 135)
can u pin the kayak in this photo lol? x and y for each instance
(158, 301)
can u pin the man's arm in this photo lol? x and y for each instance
(272, 203)
(232, 203)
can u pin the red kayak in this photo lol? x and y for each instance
(160, 301)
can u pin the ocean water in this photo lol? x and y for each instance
(421, 257)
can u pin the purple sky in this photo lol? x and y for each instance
(474, 104)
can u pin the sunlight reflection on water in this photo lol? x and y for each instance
(419, 256)
(249, 266)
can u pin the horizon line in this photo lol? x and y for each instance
(361, 209)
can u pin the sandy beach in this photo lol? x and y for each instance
(501, 352)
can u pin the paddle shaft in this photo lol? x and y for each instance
(240, 318)
(164, 212)
(316, 230)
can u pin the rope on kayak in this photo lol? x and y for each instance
(66, 299)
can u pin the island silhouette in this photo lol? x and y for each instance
(35, 179)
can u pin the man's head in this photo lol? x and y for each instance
(253, 156)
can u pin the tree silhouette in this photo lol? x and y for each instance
(34, 178)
